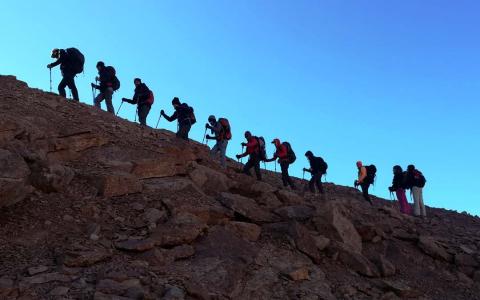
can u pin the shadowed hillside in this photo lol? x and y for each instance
(96, 207)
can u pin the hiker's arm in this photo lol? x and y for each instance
(170, 119)
(56, 63)
(362, 175)
(307, 170)
(270, 159)
(128, 101)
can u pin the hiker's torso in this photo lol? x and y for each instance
(142, 93)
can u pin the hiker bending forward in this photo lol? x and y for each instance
(284, 159)
(253, 151)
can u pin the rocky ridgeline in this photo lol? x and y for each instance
(95, 207)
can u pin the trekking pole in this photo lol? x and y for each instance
(303, 176)
(264, 165)
(156, 126)
(93, 94)
(204, 136)
(50, 79)
(241, 158)
(119, 108)
(136, 113)
(275, 166)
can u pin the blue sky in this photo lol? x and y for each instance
(386, 82)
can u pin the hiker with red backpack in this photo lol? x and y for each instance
(399, 184)
(71, 62)
(222, 134)
(416, 182)
(285, 156)
(109, 83)
(144, 98)
(184, 115)
(318, 167)
(253, 151)
(366, 177)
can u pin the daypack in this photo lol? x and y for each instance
(371, 173)
(261, 148)
(227, 131)
(76, 59)
(150, 98)
(113, 75)
(290, 153)
(193, 119)
(323, 166)
(418, 179)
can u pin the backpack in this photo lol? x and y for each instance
(371, 173)
(193, 119)
(227, 131)
(76, 59)
(323, 166)
(290, 153)
(150, 98)
(113, 75)
(418, 179)
(261, 148)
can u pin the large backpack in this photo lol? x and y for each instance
(418, 179)
(113, 75)
(227, 131)
(262, 151)
(150, 99)
(193, 119)
(290, 153)
(76, 60)
(371, 173)
(323, 166)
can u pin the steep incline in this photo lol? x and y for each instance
(95, 207)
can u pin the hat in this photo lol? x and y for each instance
(100, 64)
(55, 53)
(212, 118)
(176, 101)
(308, 153)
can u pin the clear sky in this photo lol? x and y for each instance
(386, 82)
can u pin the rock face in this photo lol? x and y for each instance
(95, 207)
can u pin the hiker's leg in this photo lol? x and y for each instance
(416, 203)
(423, 210)
(248, 166)
(311, 184)
(223, 153)
(365, 187)
(183, 131)
(108, 100)
(284, 168)
(61, 87)
(318, 182)
(143, 111)
(257, 168)
(402, 200)
(98, 100)
(214, 150)
(71, 85)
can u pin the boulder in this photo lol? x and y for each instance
(334, 225)
(356, 261)
(431, 247)
(66, 148)
(208, 180)
(86, 259)
(248, 231)
(51, 178)
(158, 168)
(385, 266)
(321, 242)
(116, 184)
(289, 198)
(304, 241)
(170, 235)
(246, 207)
(14, 174)
(295, 212)
(299, 274)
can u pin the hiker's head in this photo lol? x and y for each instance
(359, 164)
(309, 154)
(212, 120)
(276, 142)
(137, 81)
(100, 65)
(411, 168)
(397, 169)
(248, 135)
(56, 53)
(175, 102)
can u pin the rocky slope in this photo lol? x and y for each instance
(95, 207)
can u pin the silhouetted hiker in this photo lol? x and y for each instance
(366, 176)
(143, 97)
(285, 156)
(108, 84)
(318, 167)
(253, 150)
(222, 134)
(398, 186)
(416, 181)
(71, 63)
(185, 116)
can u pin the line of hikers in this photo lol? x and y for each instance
(72, 61)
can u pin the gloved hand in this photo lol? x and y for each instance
(162, 112)
(124, 99)
(208, 137)
(49, 66)
(355, 183)
(391, 189)
(206, 126)
(244, 144)
(238, 156)
(93, 85)
(305, 169)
